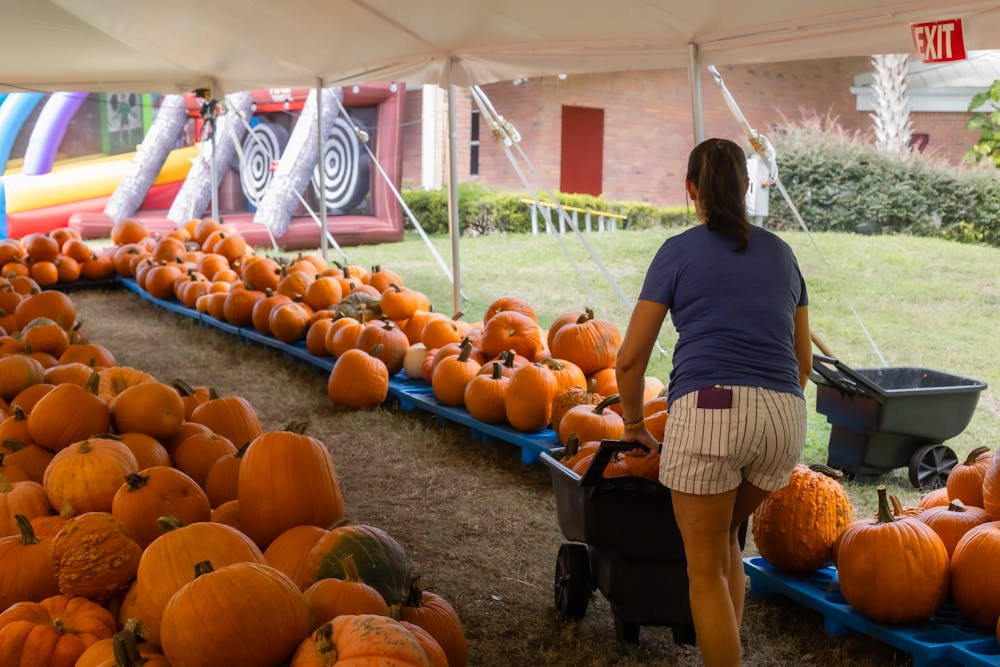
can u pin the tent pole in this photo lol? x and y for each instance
(694, 81)
(453, 222)
(319, 166)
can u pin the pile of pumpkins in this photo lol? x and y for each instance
(900, 566)
(504, 368)
(151, 523)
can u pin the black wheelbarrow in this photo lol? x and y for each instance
(623, 540)
(887, 418)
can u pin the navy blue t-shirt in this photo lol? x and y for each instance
(734, 311)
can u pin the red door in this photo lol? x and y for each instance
(582, 158)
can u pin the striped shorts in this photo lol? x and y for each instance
(759, 439)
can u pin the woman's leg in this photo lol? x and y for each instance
(748, 497)
(704, 522)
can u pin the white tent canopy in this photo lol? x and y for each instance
(231, 45)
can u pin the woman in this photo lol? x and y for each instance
(737, 413)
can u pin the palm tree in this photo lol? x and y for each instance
(893, 127)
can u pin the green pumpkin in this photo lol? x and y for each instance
(381, 561)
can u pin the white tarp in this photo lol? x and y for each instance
(229, 45)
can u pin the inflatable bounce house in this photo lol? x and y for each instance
(89, 160)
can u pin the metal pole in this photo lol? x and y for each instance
(319, 164)
(453, 222)
(215, 176)
(694, 81)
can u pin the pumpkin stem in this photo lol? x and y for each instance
(497, 370)
(508, 358)
(350, 568)
(27, 531)
(182, 387)
(610, 400)
(125, 647)
(136, 481)
(956, 505)
(975, 454)
(897, 507)
(458, 315)
(465, 350)
(60, 626)
(19, 415)
(84, 447)
(212, 395)
(93, 382)
(572, 445)
(588, 314)
(297, 427)
(12, 445)
(167, 523)
(324, 641)
(884, 510)
(203, 567)
(830, 472)
(415, 597)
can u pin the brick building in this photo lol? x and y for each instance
(626, 135)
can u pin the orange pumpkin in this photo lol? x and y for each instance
(156, 492)
(55, 631)
(287, 479)
(17, 372)
(331, 597)
(485, 395)
(289, 552)
(232, 417)
(196, 455)
(223, 478)
(153, 408)
(529, 396)
(888, 595)
(116, 379)
(168, 563)
(148, 451)
(592, 422)
(358, 380)
(965, 481)
(27, 572)
(87, 474)
(27, 498)
(360, 638)
(69, 413)
(218, 599)
(952, 522)
(435, 614)
(511, 330)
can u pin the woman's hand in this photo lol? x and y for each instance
(640, 436)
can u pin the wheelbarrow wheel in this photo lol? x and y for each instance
(930, 465)
(572, 585)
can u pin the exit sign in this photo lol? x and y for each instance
(939, 41)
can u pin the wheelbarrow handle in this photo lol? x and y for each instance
(607, 449)
(846, 378)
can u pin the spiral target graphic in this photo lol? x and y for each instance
(262, 146)
(346, 169)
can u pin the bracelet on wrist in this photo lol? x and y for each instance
(636, 425)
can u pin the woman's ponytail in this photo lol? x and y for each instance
(718, 168)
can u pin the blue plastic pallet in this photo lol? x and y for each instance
(945, 639)
(410, 393)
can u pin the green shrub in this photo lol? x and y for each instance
(838, 182)
(486, 211)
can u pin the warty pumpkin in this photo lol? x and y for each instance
(907, 581)
(287, 479)
(94, 556)
(217, 600)
(796, 526)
